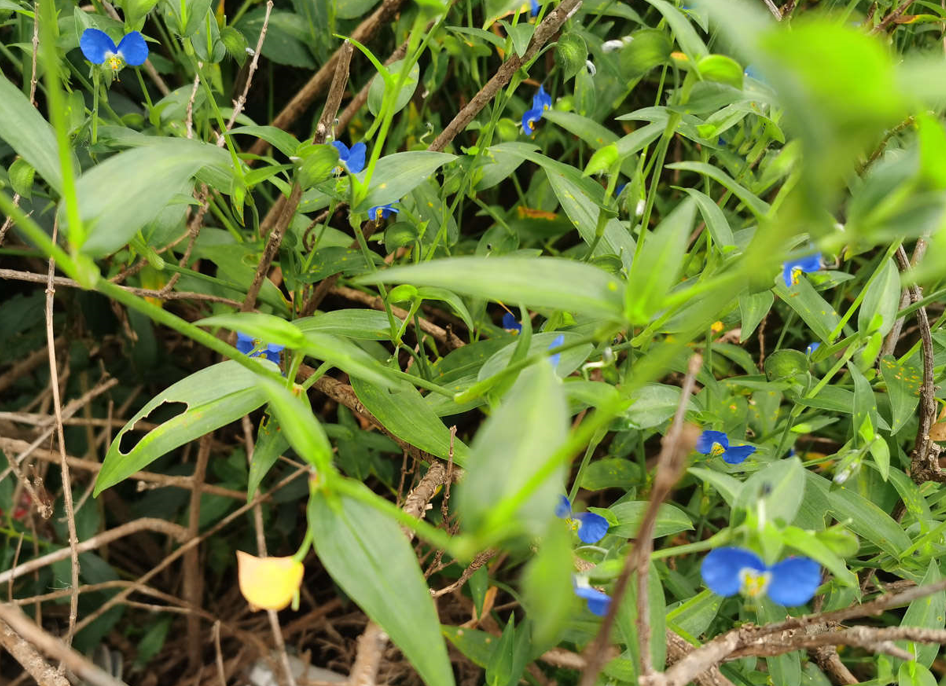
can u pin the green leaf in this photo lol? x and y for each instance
(687, 37)
(528, 426)
(716, 222)
(214, 397)
(403, 412)
(809, 544)
(630, 514)
(270, 444)
(786, 364)
(285, 37)
(903, 389)
(780, 485)
(915, 674)
(657, 610)
(752, 309)
(655, 271)
(547, 586)
(521, 35)
(148, 177)
(303, 431)
(397, 175)
(868, 521)
(477, 645)
(756, 205)
(614, 472)
(928, 612)
(536, 282)
(653, 404)
(263, 327)
(369, 556)
(283, 141)
(31, 136)
(694, 616)
(353, 9)
(722, 69)
(371, 325)
(814, 310)
(728, 486)
(648, 49)
(883, 298)
(376, 90)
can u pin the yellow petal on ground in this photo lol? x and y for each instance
(268, 583)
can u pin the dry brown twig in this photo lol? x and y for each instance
(676, 445)
(34, 635)
(143, 292)
(193, 577)
(240, 102)
(63, 462)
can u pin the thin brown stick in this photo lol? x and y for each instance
(678, 442)
(440, 334)
(221, 672)
(160, 480)
(63, 462)
(193, 577)
(924, 459)
(892, 17)
(320, 80)
(54, 647)
(240, 102)
(776, 12)
(717, 650)
(143, 292)
(543, 32)
(189, 116)
(31, 661)
(27, 365)
(161, 526)
(478, 561)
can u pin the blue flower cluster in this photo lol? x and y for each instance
(255, 348)
(793, 581)
(793, 269)
(351, 160)
(716, 444)
(98, 48)
(541, 102)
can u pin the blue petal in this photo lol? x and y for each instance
(272, 355)
(510, 323)
(564, 508)
(794, 581)
(598, 602)
(704, 444)
(557, 343)
(812, 347)
(592, 527)
(541, 100)
(95, 44)
(787, 274)
(534, 9)
(356, 158)
(244, 343)
(133, 49)
(738, 453)
(810, 263)
(620, 189)
(529, 119)
(721, 567)
(342, 150)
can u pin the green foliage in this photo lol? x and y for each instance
(510, 298)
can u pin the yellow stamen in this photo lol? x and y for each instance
(796, 273)
(717, 450)
(114, 62)
(754, 583)
(716, 327)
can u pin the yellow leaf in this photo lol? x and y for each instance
(268, 583)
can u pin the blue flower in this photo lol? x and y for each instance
(247, 345)
(716, 443)
(511, 324)
(792, 269)
(557, 343)
(598, 602)
(619, 189)
(98, 48)
(753, 72)
(590, 527)
(352, 160)
(793, 581)
(533, 8)
(812, 347)
(381, 212)
(541, 101)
